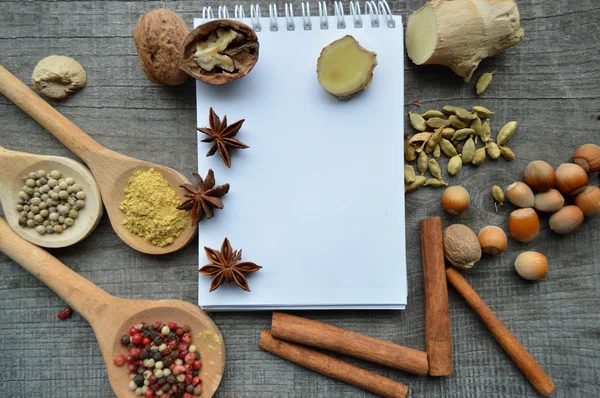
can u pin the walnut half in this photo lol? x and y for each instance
(219, 51)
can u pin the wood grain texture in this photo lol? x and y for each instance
(549, 83)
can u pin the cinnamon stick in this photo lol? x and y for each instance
(530, 368)
(438, 342)
(332, 367)
(343, 341)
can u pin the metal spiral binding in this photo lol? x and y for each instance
(373, 9)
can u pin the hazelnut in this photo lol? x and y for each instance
(461, 246)
(158, 37)
(219, 51)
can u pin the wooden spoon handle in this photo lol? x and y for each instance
(85, 297)
(59, 126)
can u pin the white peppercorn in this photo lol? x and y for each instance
(80, 204)
(52, 182)
(53, 216)
(42, 205)
(63, 186)
(31, 176)
(23, 195)
(40, 229)
(58, 229)
(38, 219)
(68, 221)
(63, 195)
(46, 223)
(55, 174)
(76, 187)
(49, 229)
(69, 181)
(19, 207)
(30, 182)
(30, 215)
(30, 223)
(40, 173)
(56, 189)
(73, 214)
(35, 209)
(63, 209)
(80, 195)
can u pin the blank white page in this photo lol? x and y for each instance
(318, 198)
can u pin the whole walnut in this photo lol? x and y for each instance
(158, 36)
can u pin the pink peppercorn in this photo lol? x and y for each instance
(196, 380)
(172, 345)
(172, 325)
(146, 341)
(178, 369)
(133, 331)
(186, 338)
(134, 353)
(149, 394)
(188, 379)
(171, 366)
(155, 387)
(65, 313)
(179, 332)
(152, 379)
(190, 358)
(132, 367)
(197, 364)
(186, 395)
(119, 360)
(156, 324)
(137, 338)
(183, 353)
(130, 359)
(182, 346)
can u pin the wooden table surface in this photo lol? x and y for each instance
(549, 83)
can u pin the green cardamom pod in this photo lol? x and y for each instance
(464, 114)
(457, 122)
(413, 186)
(506, 133)
(417, 121)
(463, 134)
(409, 174)
(507, 153)
(468, 151)
(436, 122)
(434, 169)
(432, 113)
(435, 183)
(498, 194)
(486, 134)
(492, 150)
(448, 148)
(481, 111)
(448, 132)
(476, 125)
(483, 82)
(433, 140)
(410, 153)
(449, 109)
(454, 165)
(437, 152)
(479, 157)
(422, 163)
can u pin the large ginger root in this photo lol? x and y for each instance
(345, 67)
(461, 33)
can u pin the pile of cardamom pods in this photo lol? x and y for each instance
(457, 137)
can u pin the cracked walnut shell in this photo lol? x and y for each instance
(219, 51)
(58, 76)
(158, 37)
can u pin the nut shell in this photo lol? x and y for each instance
(589, 201)
(158, 36)
(461, 246)
(492, 240)
(549, 201)
(520, 194)
(243, 50)
(588, 157)
(566, 220)
(570, 178)
(540, 175)
(531, 265)
(455, 200)
(524, 225)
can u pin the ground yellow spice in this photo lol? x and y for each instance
(150, 207)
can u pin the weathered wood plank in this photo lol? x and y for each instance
(549, 83)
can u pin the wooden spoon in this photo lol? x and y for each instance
(111, 317)
(111, 169)
(15, 165)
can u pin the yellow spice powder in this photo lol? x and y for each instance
(150, 207)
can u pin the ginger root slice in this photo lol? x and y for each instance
(461, 33)
(345, 67)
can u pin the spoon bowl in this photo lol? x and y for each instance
(110, 169)
(14, 165)
(111, 317)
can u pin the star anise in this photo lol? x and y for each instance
(203, 197)
(221, 136)
(225, 267)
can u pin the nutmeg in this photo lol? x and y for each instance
(219, 51)
(589, 201)
(158, 37)
(566, 220)
(570, 178)
(524, 225)
(461, 246)
(588, 157)
(520, 194)
(539, 175)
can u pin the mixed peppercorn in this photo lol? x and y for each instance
(161, 361)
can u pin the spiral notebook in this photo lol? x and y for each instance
(318, 198)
